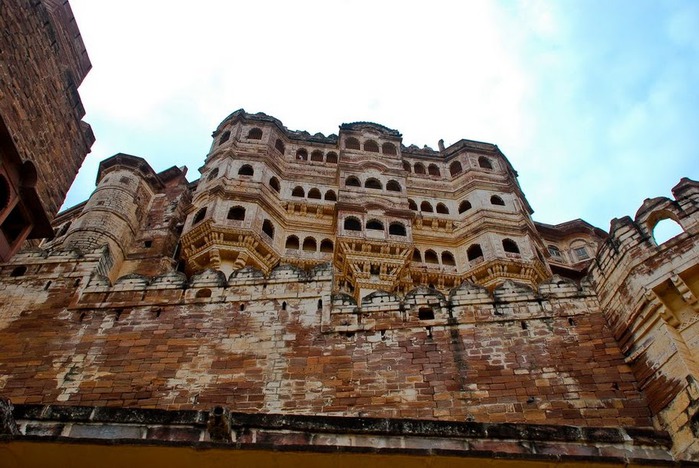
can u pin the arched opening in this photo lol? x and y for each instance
(18, 271)
(352, 181)
(371, 146)
(202, 293)
(464, 206)
(331, 158)
(268, 228)
(442, 208)
(255, 134)
(236, 213)
(372, 183)
(393, 186)
(425, 206)
(246, 170)
(279, 146)
(555, 251)
(317, 156)
(330, 196)
(224, 137)
(63, 230)
(474, 252)
(419, 168)
(396, 229)
(375, 225)
(495, 200)
(326, 246)
(431, 257)
(388, 148)
(665, 229)
(309, 244)
(199, 216)
(448, 259)
(302, 154)
(580, 251)
(274, 183)
(352, 224)
(298, 192)
(412, 205)
(352, 143)
(314, 193)
(510, 246)
(455, 168)
(292, 242)
(284, 305)
(416, 256)
(212, 174)
(425, 313)
(406, 166)
(485, 163)
(433, 170)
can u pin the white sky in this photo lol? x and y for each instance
(595, 103)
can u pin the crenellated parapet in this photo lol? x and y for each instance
(650, 294)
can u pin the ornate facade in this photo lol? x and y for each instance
(348, 294)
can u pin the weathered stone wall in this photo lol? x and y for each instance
(283, 344)
(42, 62)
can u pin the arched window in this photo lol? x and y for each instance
(292, 242)
(425, 206)
(212, 174)
(665, 229)
(224, 137)
(330, 195)
(317, 156)
(352, 224)
(279, 146)
(63, 229)
(464, 206)
(309, 244)
(388, 148)
(555, 252)
(255, 134)
(268, 228)
(393, 186)
(371, 146)
(455, 168)
(352, 143)
(442, 208)
(406, 166)
(373, 184)
(485, 163)
(326, 246)
(331, 158)
(302, 154)
(375, 225)
(396, 229)
(433, 170)
(314, 193)
(298, 192)
(474, 252)
(431, 257)
(510, 246)
(495, 200)
(352, 181)
(416, 256)
(412, 205)
(236, 213)
(199, 216)
(448, 259)
(274, 183)
(246, 170)
(580, 251)
(419, 168)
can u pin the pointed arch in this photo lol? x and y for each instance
(389, 148)
(464, 206)
(302, 154)
(419, 168)
(317, 156)
(455, 168)
(326, 246)
(371, 146)
(433, 170)
(314, 193)
(448, 259)
(330, 195)
(352, 143)
(292, 242)
(442, 208)
(485, 163)
(309, 244)
(496, 200)
(255, 134)
(331, 158)
(474, 252)
(431, 256)
(268, 228)
(426, 207)
(510, 246)
(274, 183)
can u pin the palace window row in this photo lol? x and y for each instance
(395, 228)
(309, 244)
(373, 183)
(455, 168)
(316, 156)
(371, 146)
(314, 193)
(447, 258)
(441, 208)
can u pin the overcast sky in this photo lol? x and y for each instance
(595, 103)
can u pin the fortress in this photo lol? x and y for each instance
(345, 293)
